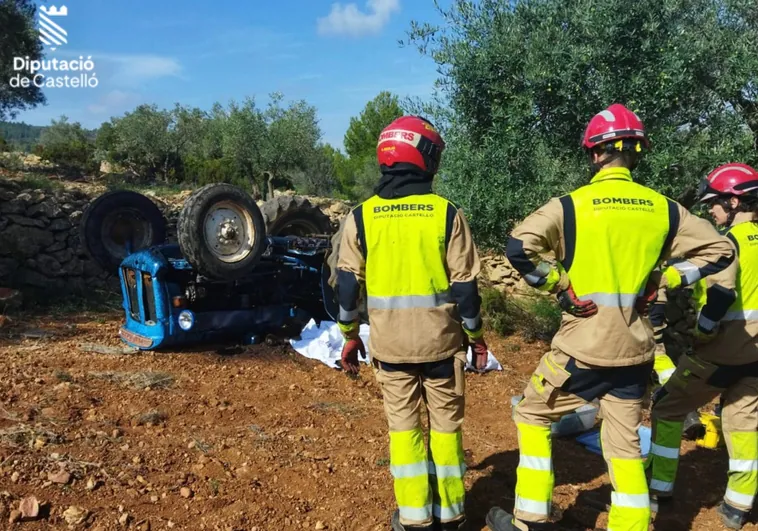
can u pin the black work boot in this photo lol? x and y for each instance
(657, 501)
(731, 517)
(500, 520)
(397, 526)
(459, 525)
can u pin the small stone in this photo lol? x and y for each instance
(15, 516)
(116, 434)
(75, 515)
(29, 507)
(185, 492)
(154, 498)
(61, 477)
(91, 483)
(14, 477)
(123, 519)
(136, 459)
(39, 443)
(320, 525)
(191, 445)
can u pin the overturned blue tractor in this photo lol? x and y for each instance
(238, 273)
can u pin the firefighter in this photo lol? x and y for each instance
(608, 238)
(725, 359)
(414, 253)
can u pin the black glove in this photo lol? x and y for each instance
(570, 303)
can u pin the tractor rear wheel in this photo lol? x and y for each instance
(118, 223)
(221, 231)
(294, 216)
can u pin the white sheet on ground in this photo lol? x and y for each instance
(324, 343)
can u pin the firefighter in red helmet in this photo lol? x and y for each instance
(608, 238)
(414, 253)
(725, 358)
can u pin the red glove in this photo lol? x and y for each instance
(570, 303)
(479, 353)
(350, 355)
(646, 300)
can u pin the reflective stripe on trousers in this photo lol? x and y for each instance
(663, 367)
(408, 301)
(419, 496)
(664, 455)
(408, 464)
(630, 500)
(447, 466)
(534, 475)
(743, 469)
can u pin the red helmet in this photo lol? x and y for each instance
(410, 140)
(614, 123)
(729, 179)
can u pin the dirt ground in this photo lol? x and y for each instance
(255, 438)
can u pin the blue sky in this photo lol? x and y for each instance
(335, 55)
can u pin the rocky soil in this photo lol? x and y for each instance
(95, 436)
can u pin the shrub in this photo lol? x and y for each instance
(12, 161)
(536, 318)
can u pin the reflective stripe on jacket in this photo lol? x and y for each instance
(609, 236)
(736, 342)
(419, 264)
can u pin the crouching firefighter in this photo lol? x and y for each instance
(608, 237)
(725, 360)
(414, 252)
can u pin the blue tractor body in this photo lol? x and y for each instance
(168, 304)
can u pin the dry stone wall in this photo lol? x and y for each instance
(40, 251)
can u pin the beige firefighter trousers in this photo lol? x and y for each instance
(620, 391)
(428, 482)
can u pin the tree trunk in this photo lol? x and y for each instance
(269, 183)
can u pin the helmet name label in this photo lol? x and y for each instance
(622, 201)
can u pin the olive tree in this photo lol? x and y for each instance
(520, 79)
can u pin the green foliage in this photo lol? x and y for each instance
(67, 145)
(33, 182)
(318, 176)
(522, 78)
(20, 136)
(242, 144)
(363, 132)
(366, 178)
(19, 37)
(535, 318)
(4, 145)
(357, 173)
(11, 161)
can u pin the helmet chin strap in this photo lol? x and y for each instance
(597, 166)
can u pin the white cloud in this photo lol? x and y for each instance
(114, 102)
(349, 20)
(136, 69)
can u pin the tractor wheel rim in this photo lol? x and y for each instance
(124, 231)
(229, 232)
